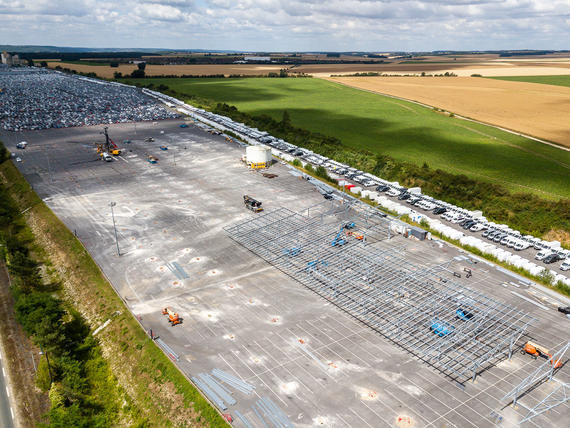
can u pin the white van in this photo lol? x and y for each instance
(107, 157)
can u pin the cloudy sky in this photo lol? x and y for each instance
(289, 25)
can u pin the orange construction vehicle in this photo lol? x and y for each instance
(173, 317)
(536, 351)
(355, 235)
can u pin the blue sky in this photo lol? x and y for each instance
(280, 25)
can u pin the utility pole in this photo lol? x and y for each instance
(112, 204)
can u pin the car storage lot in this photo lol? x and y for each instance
(242, 315)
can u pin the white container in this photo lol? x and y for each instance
(258, 155)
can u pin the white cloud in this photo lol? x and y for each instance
(289, 24)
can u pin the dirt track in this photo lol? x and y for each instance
(538, 110)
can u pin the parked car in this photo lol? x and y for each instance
(542, 254)
(519, 246)
(457, 219)
(412, 200)
(499, 237)
(564, 309)
(382, 188)
(487, 233)
(439, 210)
(565, 265)
(477, 227)
(392, 192)
(511, 242)
(551, 258)
(403, 196)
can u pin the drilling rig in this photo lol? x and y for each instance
(109, 146)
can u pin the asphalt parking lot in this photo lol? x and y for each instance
(244, 316)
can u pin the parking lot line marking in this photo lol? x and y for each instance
(258, 377)
(360, 417)
(343, 421)
(284, 366)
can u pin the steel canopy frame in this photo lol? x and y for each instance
(545, 372)
(372, 280)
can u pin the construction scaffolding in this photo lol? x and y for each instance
(344, 256)
(545, 372)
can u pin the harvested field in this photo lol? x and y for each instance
(533, 109)
(462, 67)
(173, 70)
(520, 69)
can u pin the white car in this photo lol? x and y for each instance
(18, 159)
(542, 254)
(565, 265)
(413, 200)
(392, 192)
(477, 227)
(521, 245)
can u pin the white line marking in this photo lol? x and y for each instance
(530, 300)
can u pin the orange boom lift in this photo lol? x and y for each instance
(173, 317)
(536, 351)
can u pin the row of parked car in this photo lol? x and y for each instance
(498, 233)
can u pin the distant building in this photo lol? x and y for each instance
(16, 59)
(257, 58)
(6, 58)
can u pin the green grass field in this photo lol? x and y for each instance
(400, 129)
(546, 80)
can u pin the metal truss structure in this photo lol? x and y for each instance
(454, 329)
(560, 394)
